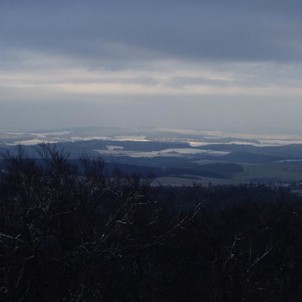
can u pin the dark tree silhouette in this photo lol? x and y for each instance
(73, 232)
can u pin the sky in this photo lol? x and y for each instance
(209, 65)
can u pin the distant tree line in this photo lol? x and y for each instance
(67, 235)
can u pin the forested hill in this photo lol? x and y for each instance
(66, 236)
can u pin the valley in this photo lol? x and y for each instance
(177, 157)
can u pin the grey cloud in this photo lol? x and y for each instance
(192, 81)
(118, 33)
(258, 42)
(135, 80)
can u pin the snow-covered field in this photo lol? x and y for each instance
(193, 138)
(118, 151)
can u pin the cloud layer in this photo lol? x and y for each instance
(84, 50)
(101, 31)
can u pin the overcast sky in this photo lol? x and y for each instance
(212, 65)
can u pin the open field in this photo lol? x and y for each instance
(177, 158)
(286, 172)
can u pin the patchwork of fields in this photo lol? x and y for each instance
(177, 158)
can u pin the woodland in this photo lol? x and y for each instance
(78, 233)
